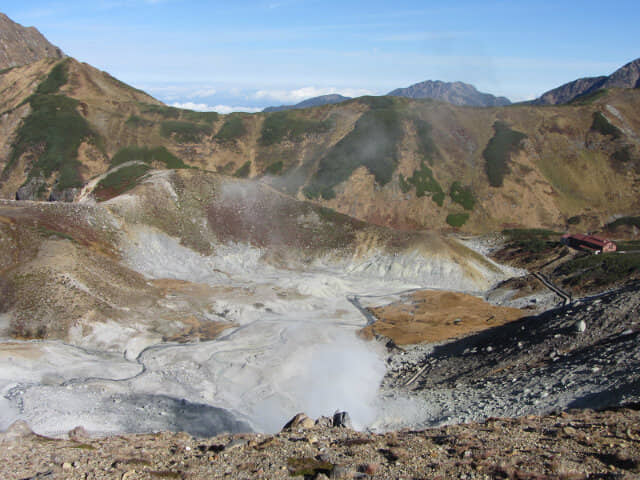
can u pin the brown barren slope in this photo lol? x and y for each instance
(433, 316)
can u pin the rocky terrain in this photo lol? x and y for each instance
(578, 444)
(627, 76)
(457, 93)
(20, 45)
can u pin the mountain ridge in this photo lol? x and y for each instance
(310, 102)
(23, 45)
(391, 161)
(456, 93)
(627, 76)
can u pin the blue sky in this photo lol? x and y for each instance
(248, 54)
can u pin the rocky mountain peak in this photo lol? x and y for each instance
(457, 93)
(23, 45)
(627, 76)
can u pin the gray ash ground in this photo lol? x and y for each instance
(535, 365)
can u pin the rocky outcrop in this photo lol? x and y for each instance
(457, 93)
(627, 76)
(20, 45)
(33, 189)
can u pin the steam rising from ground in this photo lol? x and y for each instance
(293, 346)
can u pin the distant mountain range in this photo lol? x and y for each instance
(387, 160)
(627, 76)
(21, 45)
(456, 93)
(310, 102)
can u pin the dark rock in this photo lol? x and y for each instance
(66, 195)
(33, 189)
(342, 420)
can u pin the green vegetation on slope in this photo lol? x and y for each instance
(497, 152)
(202, 117)
(532, 240)
(119, 181)
(184, 132)
(179, 113)
(244, 170)
(372, 143)
(426, 146)
(135, 121)
(162, 110)
(275, 168)
(232, 129)
(58, 76)
(147, 155)
(55, 129)
(589, 98)
(424, 183)
(457, 219)
(462, 195)
(622, 155)
(279, 126)
(600, 270)
(624, 221)
(601, 125)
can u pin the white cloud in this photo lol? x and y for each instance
(224, 109)
(300, 94)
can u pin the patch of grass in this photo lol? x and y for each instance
(622, 155)
(589, 98)
(532, 240)
(424, 183)
(603, 269)
(243, 171)
(279, 126)
(58, 76)
(497, 152)
(6, 70)
(372, 143)
(202, 117)
(624, 221)
(377, 103)
(162, 110)
(462, 195)
(184, 132)
(147, 155)
(275, 168)
(314, 191)
(438, 198)
(426, 146)
(119, 181)
(628, 245)
(135, 121)
(54, 129)
(232, 129)
(601, 125)
(457, 219)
